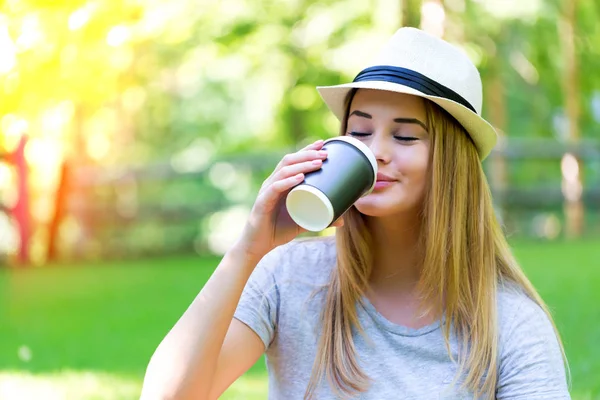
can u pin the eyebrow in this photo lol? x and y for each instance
(398, 120)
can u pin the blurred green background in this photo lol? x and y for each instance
(134, 136)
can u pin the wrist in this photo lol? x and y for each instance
(243, 253)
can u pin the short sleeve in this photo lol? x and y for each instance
(531, 363)
(259, 304)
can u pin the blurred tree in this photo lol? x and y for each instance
(181, 82)
(411, 13)
(571, 171)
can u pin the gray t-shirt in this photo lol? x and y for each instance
(282, 303)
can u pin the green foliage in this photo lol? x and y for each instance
(132, 83)
(209, 69)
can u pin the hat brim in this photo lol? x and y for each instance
(482, 132)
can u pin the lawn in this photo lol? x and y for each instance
(87, 331)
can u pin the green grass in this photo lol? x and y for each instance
(567, 276)
(87, 331)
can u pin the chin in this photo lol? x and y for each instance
(378, 205)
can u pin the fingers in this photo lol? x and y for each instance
(302, 156)
(282, 185)
(291, 170)
(303, 167)
(273, 192)
(308, 154)
(314, 146)
(291, 175)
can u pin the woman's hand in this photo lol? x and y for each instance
(269, 224)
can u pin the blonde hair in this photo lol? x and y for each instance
(462, 268)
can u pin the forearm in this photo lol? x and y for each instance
(184, 363)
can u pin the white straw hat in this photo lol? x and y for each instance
(420, 64)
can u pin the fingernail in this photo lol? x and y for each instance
(317, 162)
(322, 153)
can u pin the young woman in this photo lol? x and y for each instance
(417, 296)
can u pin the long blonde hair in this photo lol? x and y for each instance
(462, 268)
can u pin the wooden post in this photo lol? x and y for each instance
(571, 173)
(60, 200)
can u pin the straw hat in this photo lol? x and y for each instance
(417, 63)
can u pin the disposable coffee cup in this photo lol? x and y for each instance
(348, 173)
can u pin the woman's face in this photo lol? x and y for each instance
(393, 126)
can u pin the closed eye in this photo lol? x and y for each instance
(358, 134)
(399, 138)
(406, 138)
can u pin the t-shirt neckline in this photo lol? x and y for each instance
(395, 328)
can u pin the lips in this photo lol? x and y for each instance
(384, 178)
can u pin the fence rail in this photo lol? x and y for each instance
(586, 150)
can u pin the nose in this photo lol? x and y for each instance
(381, 148)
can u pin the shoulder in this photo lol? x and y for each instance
(310, 247)
(520, 317)
(531, 363)
(312, 257)
(518, 313)
(511, 299)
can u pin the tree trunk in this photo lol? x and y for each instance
(497, 114)
(496, 105)
(433, 17)
(21, 210)
(411, 13)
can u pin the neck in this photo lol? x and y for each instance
(396, 266)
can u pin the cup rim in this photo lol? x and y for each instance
(365, 150)
(308, 225)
